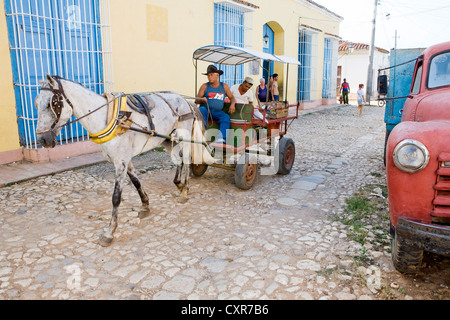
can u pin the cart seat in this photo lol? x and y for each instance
(240, 121)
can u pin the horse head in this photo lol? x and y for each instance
(54, 110)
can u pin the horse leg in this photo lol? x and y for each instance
(185, 189)
(177, 178)
(145, 210)
(181, 181)
(184, 161)
(108, 235)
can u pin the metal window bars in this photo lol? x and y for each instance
(232, 27)
(69, 38)
(331, 47)
(307, 71)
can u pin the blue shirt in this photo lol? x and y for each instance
(215, 96)
(262, 94)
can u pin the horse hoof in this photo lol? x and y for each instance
(105, 241)
(144, 213)
(183, 199)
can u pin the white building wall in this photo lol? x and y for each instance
(355, 69)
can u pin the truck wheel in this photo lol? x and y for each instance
(245, 172)
(286, 155)
(406, 259)
(198, 170)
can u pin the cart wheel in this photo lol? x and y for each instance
(406, 259)
(381, 103)
(245, 172)
(286, 155)
(198, 170)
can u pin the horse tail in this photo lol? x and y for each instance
(199, 153)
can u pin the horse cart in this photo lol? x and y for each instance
(124, 128)
(253, 140)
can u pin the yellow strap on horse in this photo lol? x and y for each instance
(120, 104)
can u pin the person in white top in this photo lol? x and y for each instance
(243, 94)
(361, 100)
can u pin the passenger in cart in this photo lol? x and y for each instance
(243, 94)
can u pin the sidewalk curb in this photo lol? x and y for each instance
(22, 171)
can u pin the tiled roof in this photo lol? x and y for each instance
(343, 46)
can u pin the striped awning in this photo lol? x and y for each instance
(231, 55)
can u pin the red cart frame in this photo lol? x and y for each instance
(282, 149)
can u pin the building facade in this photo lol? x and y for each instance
(353, 65)
(108, 45)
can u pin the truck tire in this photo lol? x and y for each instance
(406, 259)
(286, 155)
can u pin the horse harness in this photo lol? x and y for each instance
(56, 101)
(118, 119)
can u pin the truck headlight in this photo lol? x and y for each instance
(411, 155)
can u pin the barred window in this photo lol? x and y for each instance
(232, 27)
(65, 38)
(330, 68)
(307, 71)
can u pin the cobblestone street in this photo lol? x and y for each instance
(278, 240)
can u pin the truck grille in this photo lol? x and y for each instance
(441, 202)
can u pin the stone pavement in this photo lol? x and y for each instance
(275, 241)
(22, 170)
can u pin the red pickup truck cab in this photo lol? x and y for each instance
(418, 164)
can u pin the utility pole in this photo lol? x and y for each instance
(372, 49)
(396, 37)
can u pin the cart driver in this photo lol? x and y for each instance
(212, 96)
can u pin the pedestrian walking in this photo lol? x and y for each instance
(345, 90)
(361, 100)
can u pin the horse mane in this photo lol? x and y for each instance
(73, 81)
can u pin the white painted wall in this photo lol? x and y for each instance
(355, 67)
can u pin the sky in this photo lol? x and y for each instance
(419, 23)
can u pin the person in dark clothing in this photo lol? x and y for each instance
(345, 90)
(261, 91)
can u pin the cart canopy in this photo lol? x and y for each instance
(231, 55)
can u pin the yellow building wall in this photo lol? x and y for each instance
(284, 17)
(9, 132)
(153, 43)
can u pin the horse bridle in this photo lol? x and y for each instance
(56, 101)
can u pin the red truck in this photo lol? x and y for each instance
(418, 164)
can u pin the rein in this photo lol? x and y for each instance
(120, 101)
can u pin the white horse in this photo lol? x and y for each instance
(172, 115)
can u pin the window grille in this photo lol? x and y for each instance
(331, 47)
(307, 71)
(69, 38)
(232, 27)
